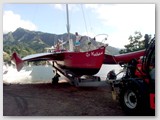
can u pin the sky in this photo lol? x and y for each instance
(118, 21)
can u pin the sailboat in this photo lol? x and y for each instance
(70, 63)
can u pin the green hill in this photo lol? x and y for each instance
(26, 42)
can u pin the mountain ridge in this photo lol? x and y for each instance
(38, 41)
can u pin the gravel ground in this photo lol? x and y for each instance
(58, 100)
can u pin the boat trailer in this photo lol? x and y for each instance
(78, 81)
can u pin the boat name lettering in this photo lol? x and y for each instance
(94, 54)
(87, 55)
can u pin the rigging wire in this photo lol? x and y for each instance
(84, 20)
(90, 23)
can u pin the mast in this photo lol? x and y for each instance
(68, 31)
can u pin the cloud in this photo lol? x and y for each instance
(12, 21)
(128, 16)
(71, 7)
(125, 19)
(59, 6)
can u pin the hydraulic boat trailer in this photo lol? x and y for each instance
(94, 81)
(84, 81)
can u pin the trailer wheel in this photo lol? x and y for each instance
(55, 79)
(132, 100)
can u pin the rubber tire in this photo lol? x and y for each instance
(55, 79)
(140, 106)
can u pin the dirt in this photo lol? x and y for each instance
(58, 100)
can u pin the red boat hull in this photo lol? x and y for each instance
(79, 63)
(82, 63)
(109, 59)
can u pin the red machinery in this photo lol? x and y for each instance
(137, 86)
